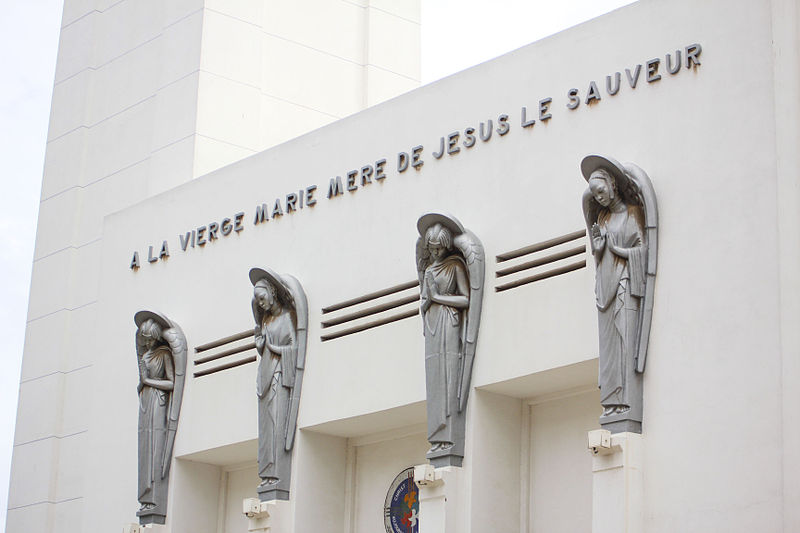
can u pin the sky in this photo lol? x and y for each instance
(456, 34)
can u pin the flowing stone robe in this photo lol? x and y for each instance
(620, 284)
(444, 351)
(153, 414)
(276, 377)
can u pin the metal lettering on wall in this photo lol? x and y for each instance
(376, 171)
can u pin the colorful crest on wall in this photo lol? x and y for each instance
(401, 508)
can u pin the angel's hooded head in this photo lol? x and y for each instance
(265, 295)
(150, 331)
(438, 241)
(603, 187)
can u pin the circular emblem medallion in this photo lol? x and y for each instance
(401, 508)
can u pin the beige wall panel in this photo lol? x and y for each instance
(68, 516)
(75, 9)
(282, 120)
(382, 85)
(560, 464)
(59, 343)
(241, 484)
(39, 411)
(393, 43)
(32, 473)
(251, 11)
(336, 29)
(170, 166)
(64, 163)
(44, 345)
(178, 10)
(76, 47)
(305, 69)
(123, 82)
(231, 48)
(29, 518)
(406, 9)
(123, 26)
(77, 386)
(180, 43)
(56, 223)
(71, 471)
(211, 154)
(175, 108)
(494, 462)
(228, 111)
(318, 482)
(118, 191)
(121, 141)
(192, 483)
(47, 278)
(70, 99)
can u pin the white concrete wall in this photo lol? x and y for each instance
(717, 305)
(718, 387)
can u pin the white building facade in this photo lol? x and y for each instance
(149, 97)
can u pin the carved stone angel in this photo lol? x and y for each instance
(161, 353)
(451, 265)
(280, 310)
(622, 220)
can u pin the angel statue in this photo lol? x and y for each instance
(622, 220)
(161, 354)
(280, 310)
(450, 264)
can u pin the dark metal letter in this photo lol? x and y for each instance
(633, 79)
(469, 137)
(615, 89)
(673, 69)
(440, 153)
(416, 160)
(452, 143)
(574, 101)
(402, 161)
(544, 108)
(693, 54)
(335, 187)
(380, 169)
(502, 125)
(524, 118)
(652, 70)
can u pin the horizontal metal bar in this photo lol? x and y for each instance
(224, 340)
(370, 325)
(370, 311)
(541, 261)
(541, 276)
(540, 246)
(226, 366)
(370, 296)
(225, 353)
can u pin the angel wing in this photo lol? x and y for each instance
(591, 210)
(423, 258)
(300, 309)
(640, 191)
(177, 344)
(471, 249)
